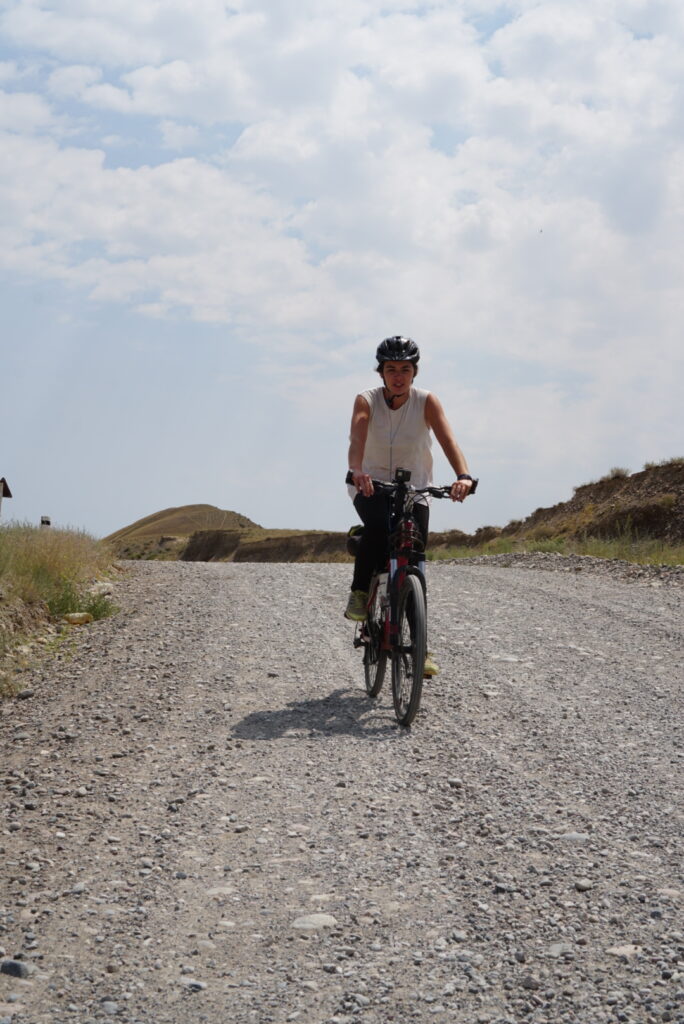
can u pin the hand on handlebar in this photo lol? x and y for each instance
(362, 482)
(460, 490)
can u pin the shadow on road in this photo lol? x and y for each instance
(340, 712)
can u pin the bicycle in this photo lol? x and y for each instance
(395, 627)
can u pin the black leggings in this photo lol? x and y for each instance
(374, 547)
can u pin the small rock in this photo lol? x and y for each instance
(193, 985)
(531, 983)
(560, 949)
(78, 619)
(15, 968)
(627, 951)
(314, 922)
(25, 694)
(110, 1007)
(584, 884)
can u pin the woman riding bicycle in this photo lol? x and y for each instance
(391, 427)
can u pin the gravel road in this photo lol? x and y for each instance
(206, 820)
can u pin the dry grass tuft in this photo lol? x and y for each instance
(677, 460)
(52, 567)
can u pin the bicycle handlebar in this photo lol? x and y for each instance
(384, 486)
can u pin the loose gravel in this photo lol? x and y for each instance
(206, 819)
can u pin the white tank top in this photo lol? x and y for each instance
(397, 438)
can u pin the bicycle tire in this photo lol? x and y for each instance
(408, 658)
(374, 657)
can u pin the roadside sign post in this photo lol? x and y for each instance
(4, 492)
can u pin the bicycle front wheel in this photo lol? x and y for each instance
(408, 657)
(374, 657)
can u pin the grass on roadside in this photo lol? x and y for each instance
(53, 567)
(629, 548)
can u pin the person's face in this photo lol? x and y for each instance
(398, 376)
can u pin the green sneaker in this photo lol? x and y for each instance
(431, 668)
(356, 606)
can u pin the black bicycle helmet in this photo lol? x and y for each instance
(397, 349)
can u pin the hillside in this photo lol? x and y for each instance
(165, 533)
(649, 503)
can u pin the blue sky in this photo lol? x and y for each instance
(211, 215)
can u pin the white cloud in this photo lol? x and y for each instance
(8, 71)
(83, 32)
(178, 136)
(24, 112)
(70, 82)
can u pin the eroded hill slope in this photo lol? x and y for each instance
(649, 503)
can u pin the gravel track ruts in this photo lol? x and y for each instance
(206, 819)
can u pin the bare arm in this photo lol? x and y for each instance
(435, 418)
(357, 445)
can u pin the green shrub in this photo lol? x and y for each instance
(66, 597)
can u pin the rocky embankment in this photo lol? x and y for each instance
(205, 819)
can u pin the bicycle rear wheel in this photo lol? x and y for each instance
(408, 658)
(374, 657)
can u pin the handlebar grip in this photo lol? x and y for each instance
(378, 485)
